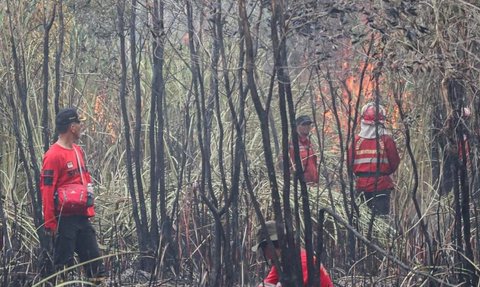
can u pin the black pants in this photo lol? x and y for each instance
(378, 202)
(76, 234)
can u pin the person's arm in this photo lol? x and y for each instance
(350, 152)
(392, 154)
(90, 212)
(48, 182)
(86, 174)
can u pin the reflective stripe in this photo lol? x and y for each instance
(367, 151)
(370, 160)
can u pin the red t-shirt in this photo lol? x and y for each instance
(60, 167)
(325, 281)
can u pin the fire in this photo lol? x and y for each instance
(101, 115)
(352, 82)
(349, 84)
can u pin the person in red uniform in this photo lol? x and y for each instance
(374, 159)
(307, 152)
(268, 251)
(63, 164)
(453, 151)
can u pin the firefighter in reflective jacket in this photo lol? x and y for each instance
(307, 152)
(374, 159)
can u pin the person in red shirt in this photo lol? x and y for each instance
(63, 164)
(273, 279)
(374, 159)
(453, 150)
(307, 152)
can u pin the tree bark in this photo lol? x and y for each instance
(46, 53)
(137, 154)
(141, 227)
(58, 58)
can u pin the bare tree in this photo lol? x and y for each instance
(58, 56)
(140, 219)
(47, 25)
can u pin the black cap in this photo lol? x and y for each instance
(67, 116)
(303, 120)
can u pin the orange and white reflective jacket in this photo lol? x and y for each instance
(309, 159)
(371, 168)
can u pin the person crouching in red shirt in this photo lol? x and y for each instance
(273, 279)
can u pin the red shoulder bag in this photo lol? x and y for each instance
(74, 198)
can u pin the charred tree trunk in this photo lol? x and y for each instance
(262, 114)
(219, 250)
(423, 224)
(27, 154)
(238, 116)
(46, 264)
(153, 188)
(437, 147)
(181, 175)
(31, 158)
(137, 151)
(203, 134)
(291, 252)
(58, 58)
(350, 142)
(456, 94)
(348, 199)
(204, 126)
(158, 91)
(240, 155)
(43, 263)
(141, 227)
(46, 53)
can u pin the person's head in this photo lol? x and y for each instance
(262, 239)
(370, 116)
(67, 121)
(304, 125)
